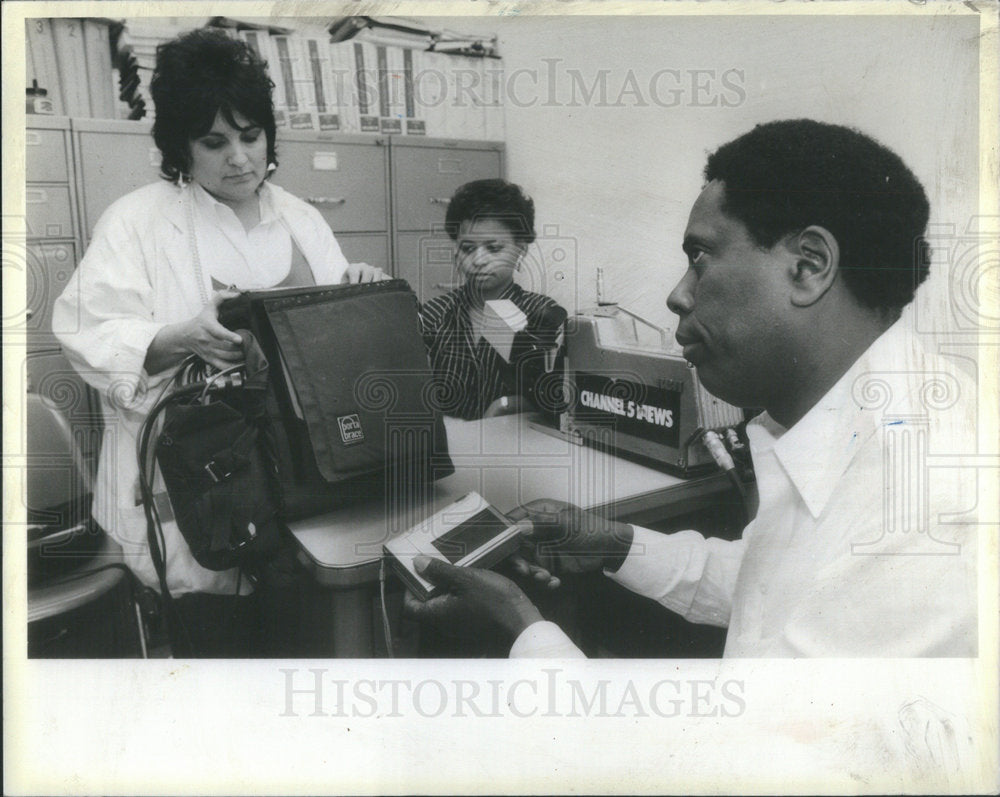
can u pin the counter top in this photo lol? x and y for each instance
(509, 462)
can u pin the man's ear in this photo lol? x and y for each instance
(817, 261)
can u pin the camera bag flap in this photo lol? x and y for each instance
(351, 395)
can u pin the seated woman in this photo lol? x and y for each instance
(492, 224)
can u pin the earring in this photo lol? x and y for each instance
(182, 179)
(271, 167)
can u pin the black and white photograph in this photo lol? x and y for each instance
(494, 397)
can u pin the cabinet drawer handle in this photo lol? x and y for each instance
(326, 200)
(447, 286)
(436, 200)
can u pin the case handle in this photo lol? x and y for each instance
(326, 200)
(664, 339)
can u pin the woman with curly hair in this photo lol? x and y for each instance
(146, 293)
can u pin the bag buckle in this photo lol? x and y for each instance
(248, 540)
(215, 472)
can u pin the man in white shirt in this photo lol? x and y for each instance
(803, 248)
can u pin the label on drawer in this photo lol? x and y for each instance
(325, 161)
(449, 166)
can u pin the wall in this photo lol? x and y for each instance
(609, 120)
(613, 180)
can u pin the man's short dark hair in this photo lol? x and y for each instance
(492, 199)
(198, 75)
(784, 176)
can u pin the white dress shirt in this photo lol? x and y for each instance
(252, 259)
(864, 543)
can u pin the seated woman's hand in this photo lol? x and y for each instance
(202, 335)
(362, 272)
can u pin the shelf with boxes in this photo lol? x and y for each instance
(363, 75)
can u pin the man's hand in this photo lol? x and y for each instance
(473, 600)
(566, 539)
(362, 272)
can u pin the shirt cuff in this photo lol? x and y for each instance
(655, 560)
(683, 571)
(544, 640)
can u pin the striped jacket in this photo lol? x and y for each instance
(469, 375)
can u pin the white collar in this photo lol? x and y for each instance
(817, 450)
(205, 201)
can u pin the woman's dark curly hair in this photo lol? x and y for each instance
(492, 199)
(198, 75)
(784, 176)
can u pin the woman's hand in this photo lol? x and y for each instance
(362, 272)
(202, 335)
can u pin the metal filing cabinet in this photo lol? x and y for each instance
(345, 177)
(113, 158)
(52, 251)
(425, 174)
(51, 243)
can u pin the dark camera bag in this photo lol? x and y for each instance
(215, 454)
(350, 396)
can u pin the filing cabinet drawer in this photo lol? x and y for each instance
(45, 156)
(48, 210)
(371, 249)
(424, 178)
(112, 164)
(345, 182)
(427, 263)
(49, 268)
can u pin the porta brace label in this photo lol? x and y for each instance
(350, 429)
